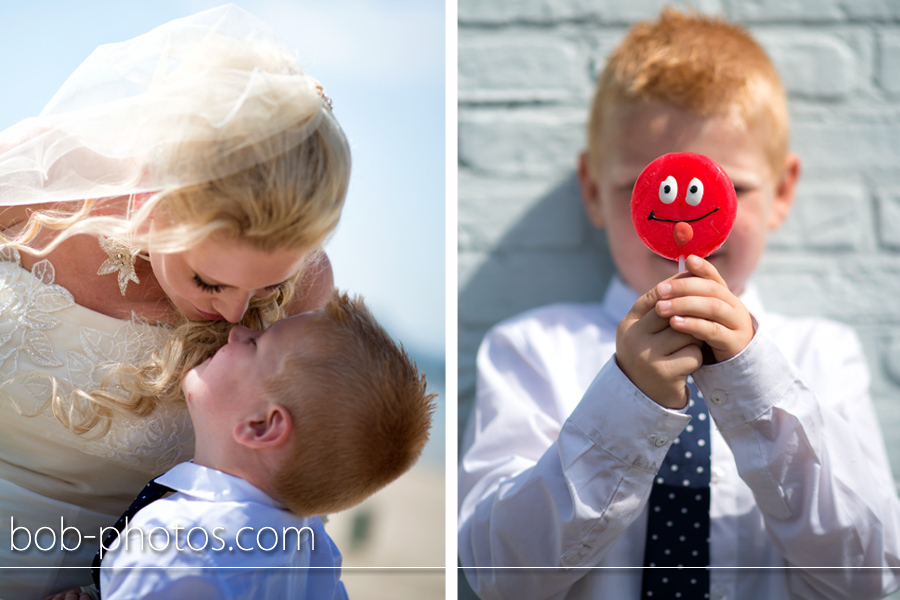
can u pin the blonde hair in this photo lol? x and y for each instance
(210, 124)
(360, 409)
(697, 63)
(291, 201)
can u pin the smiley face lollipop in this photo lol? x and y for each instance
(683, 203)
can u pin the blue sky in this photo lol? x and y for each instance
(381, 62)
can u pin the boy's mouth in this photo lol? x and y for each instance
(202, 366)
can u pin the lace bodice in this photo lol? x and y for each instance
(49, 344)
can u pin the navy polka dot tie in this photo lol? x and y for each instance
(678, 522)
(152, 491)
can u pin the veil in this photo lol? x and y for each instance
(194, 100)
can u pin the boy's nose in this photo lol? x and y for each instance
(239, 334)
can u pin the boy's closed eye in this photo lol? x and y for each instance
(627, 187)
(745, 183)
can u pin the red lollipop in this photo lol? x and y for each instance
(683, 203)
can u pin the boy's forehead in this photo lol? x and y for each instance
(290, 329)
(662, 123)
(635, 135)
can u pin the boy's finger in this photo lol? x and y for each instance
(711, 332)
(724, 342)
(666, 288)
(644, 304)
(703, 268)
(695, 286)
(652, 323)
(701, 307)
(686, 360)
(669, 342)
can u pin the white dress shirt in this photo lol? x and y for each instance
(562, 449)
(221, 505)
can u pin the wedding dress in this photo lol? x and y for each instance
(52, 479)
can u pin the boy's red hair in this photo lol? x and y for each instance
(360, 408)
(697, 63)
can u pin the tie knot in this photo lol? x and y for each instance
(152, 491)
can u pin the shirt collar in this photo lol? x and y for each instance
(619, 298)
(753, 302)
(213, 485)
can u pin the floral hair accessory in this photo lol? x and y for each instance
(325, 97)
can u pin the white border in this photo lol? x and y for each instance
(451, 304)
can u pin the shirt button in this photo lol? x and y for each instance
(661, 440)
(718, 397)
(714, 476)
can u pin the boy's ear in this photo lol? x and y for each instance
(265, 430)
(784, 190)
(590, 191)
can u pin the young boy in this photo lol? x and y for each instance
(578, 405)
(308, 417)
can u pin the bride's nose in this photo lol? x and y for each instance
(233, 306)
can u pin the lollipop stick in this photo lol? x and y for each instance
(680, 264)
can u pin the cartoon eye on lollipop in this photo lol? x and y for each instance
(683, 203)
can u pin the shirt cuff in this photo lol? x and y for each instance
(622, 421)
(746, 386)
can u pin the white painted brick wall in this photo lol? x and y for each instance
(504, 68)
(889, 221)
(526, 71)
(824, 64)
(889, 66)
(804, 13)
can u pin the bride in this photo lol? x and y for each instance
(176, 184)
